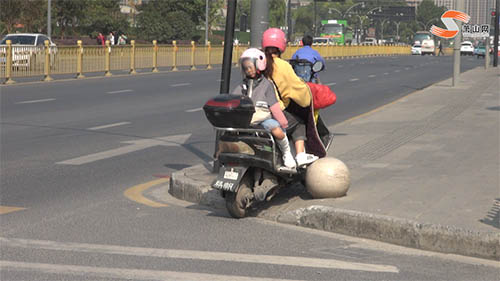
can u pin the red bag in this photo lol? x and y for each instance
(323, 96)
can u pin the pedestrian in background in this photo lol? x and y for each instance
(101, 40)
(440, 47)
(122, 39)
(111, 38)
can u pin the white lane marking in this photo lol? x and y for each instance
(105, 273)
(373, 75)
(35, 101)
(353, 79)
(397, 70)
(120, 91)
(180, 84)
(196, 255)
(133, 146)
(386, 73)
(331, 84)
(108, 126)
(194, 109)
(407, 68)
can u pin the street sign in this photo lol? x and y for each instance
(476, 30)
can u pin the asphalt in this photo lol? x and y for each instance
(424, 173)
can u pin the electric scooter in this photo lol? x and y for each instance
(251, 168)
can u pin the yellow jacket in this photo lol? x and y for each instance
(290, 85)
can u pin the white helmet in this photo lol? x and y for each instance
(257, 56)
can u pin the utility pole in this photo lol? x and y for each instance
(260, 21)
(228, 47)
(206, 22)
(497, 20)
(289, 20)
(456, 46)
(314, 23)
(49, 16)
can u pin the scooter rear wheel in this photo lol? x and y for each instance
(237, 203)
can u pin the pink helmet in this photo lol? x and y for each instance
(274, 37)
(258, 57)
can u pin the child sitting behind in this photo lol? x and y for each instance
(267, 108)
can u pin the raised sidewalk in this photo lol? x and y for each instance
(424, 173)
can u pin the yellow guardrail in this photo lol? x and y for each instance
(17, 61)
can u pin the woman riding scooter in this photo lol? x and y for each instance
(294, 97)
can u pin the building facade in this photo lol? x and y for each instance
(478, 10)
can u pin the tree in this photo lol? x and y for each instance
(10, 12)
(277, 11)
(166, 20)
(103, 16)
(428, 11)
(243, 8)
(303, 19)
(68, 14)
(215, 15)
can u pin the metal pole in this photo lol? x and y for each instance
(497, 20)
(314, 23)
(456, 47)
(259, 21)
(49, 24)
(228, 47)
(397, 31)
(487, 53)
(289, 20)
(206, 22)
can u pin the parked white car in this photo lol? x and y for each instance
(466, 48)
(323, 41)
(25, 48)
(369, 41)
(416, 49)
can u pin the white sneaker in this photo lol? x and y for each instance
(305, 159)
(289, 161)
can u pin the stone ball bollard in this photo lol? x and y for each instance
(327, 177)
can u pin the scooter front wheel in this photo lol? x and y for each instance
(238, 202)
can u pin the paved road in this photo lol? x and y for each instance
(70, 149)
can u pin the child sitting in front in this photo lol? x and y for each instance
(267, 108)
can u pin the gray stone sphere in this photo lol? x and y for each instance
(327, 177)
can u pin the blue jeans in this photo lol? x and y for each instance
(270, 124)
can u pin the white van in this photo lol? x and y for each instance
(426, 41)
(428, 47)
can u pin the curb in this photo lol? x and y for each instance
(193, 184)
(403, 232)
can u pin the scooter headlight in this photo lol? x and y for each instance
(235, 147)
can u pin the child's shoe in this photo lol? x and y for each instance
(304, 159)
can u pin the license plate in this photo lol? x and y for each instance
(224, 185)
(228, 178)
(231, 175)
